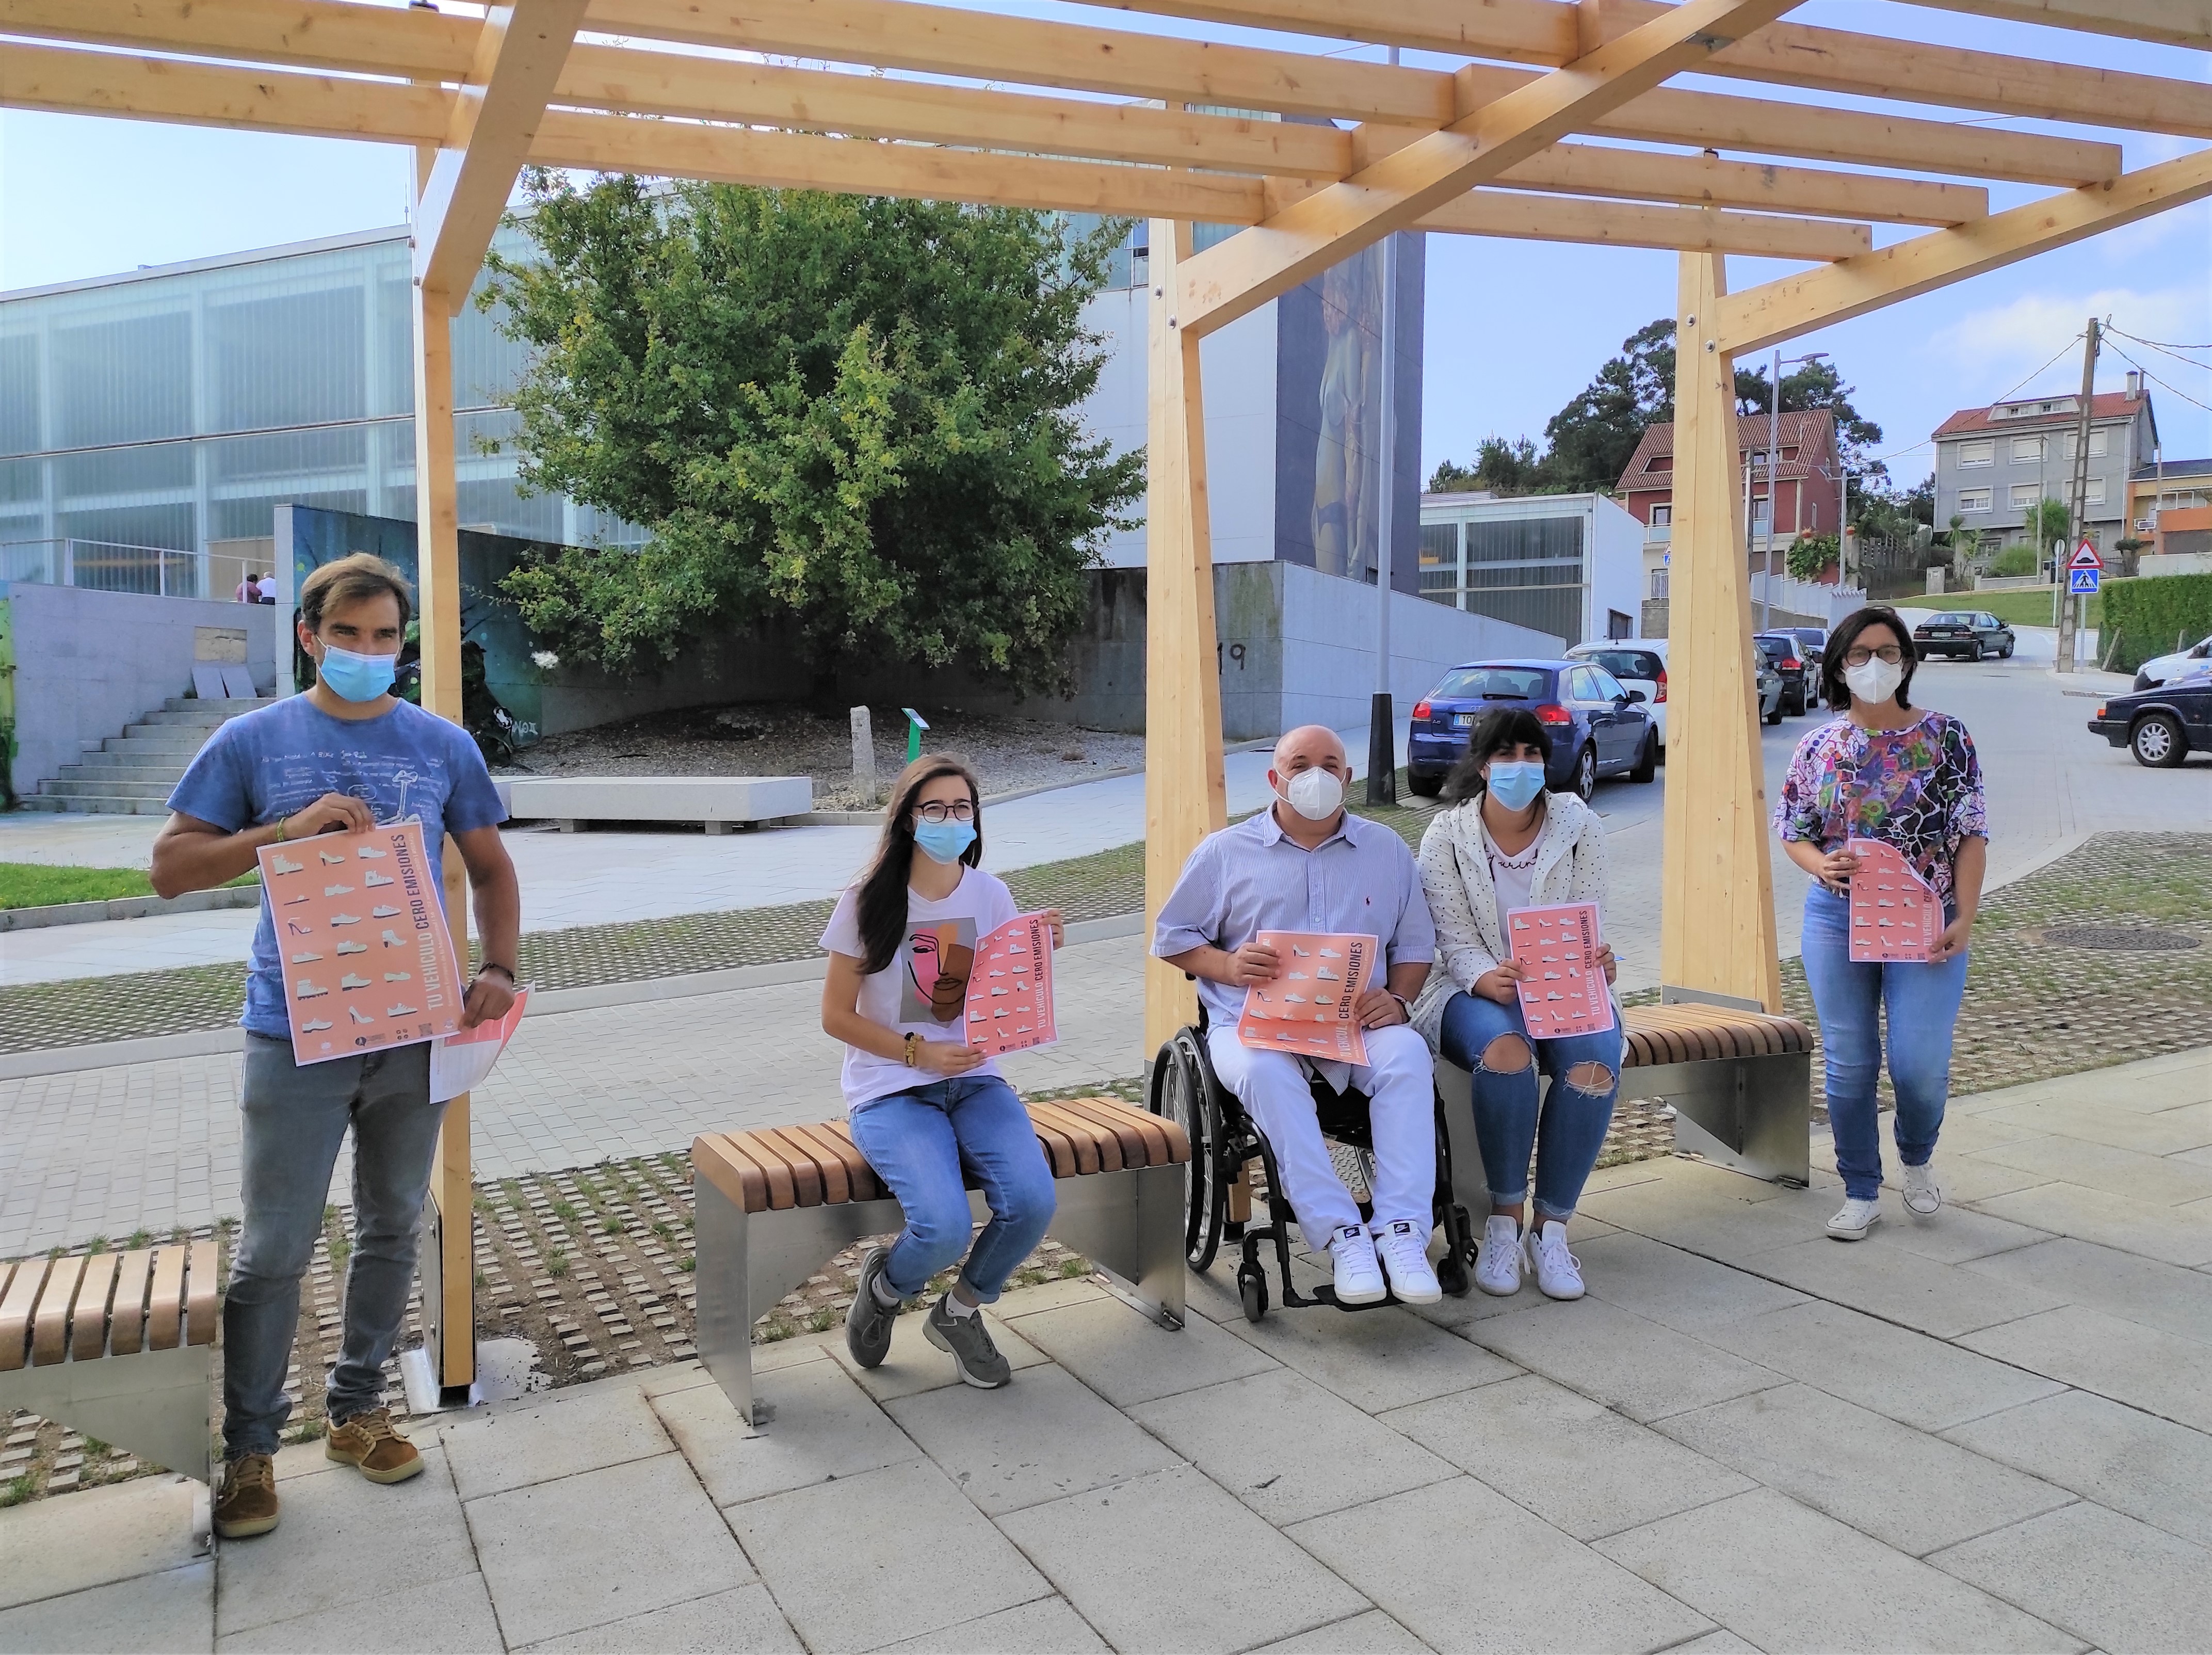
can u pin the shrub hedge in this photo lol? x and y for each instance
(2151, 613)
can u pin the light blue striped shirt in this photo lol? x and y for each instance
(1253, 877)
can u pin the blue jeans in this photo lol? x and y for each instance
(296, 1117)
(1566, 1139)
(919, 1141)
(1923, 1003)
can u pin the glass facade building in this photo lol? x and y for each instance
(177, 407)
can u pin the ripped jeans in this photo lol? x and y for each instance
(1567, 1139)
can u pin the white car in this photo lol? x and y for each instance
(1639, 663)
(2180, 665)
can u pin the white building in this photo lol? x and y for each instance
(1570, 564)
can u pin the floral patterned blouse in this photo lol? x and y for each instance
(1919, 788)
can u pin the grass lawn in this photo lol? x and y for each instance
(2015, 608)
(34, 885)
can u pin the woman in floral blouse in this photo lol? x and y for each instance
(1507, 844)
(1909, 779)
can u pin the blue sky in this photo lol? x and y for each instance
(1514, 328)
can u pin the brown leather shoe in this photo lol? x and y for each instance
(368, 1441)
(248, 1505)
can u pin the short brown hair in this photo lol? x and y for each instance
(349, 579)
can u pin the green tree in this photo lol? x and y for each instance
(1590, 440)
(1502, 467)
(1810, 554)
(852, 415)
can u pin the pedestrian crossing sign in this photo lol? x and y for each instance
(2082, 579)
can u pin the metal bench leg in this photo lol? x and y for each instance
(1751, 1115)
(1130, 1225)
(153, 1402)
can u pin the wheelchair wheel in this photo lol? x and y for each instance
(1451, 1270)
(1182, 1090)
(1252, 1288)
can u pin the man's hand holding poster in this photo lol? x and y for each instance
(1310, 1007)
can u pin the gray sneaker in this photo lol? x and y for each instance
(868, 1324)
(974, 1356)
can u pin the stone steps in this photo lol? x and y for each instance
(134, 773)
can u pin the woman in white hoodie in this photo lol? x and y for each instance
(1505, 844)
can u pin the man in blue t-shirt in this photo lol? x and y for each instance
(346, 756)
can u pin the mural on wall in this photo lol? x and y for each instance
(1348, 451)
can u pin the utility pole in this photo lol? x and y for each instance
(2069, 611)
(1382, 722)
(1773, 490)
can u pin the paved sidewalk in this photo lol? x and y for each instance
(1990, 1431)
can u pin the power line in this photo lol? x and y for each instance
(2161, 384)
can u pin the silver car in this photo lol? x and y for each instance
(1770, 691)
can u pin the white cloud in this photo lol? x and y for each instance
(1992, 348)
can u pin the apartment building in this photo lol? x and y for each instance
(1993, 465)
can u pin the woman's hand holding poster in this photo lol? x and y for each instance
(1563, 990)
(1009, 1004)
(1895, 916)
(1309, 1009)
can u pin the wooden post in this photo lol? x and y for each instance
(1717, 933)
(1185, 795)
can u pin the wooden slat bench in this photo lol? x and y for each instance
(1741, 1082)
(119, 1345)
(774, 1204)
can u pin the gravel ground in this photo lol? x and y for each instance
(1007, 752)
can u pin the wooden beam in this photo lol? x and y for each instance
(1716, 932)
(519, 53)
(1709, 181)
(1625, 224)
(1236, 275)
(336, 34)
(2165, 22)
(1796, 305)
(1185, 791)
(1521, 31)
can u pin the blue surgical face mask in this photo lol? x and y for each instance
(356, 677)
(944, 841)
(1516, 785)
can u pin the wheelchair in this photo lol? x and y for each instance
(1223, 1140)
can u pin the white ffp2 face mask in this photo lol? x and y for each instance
(1875, 682)
(1316, 794)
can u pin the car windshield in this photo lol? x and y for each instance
(1774, 649)
(1627, 663)
(1954, 618)
(1508, 683)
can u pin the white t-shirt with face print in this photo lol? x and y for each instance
(924, 990)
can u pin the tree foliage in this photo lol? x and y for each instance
(850, 414)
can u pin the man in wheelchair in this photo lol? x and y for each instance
(1309, 865)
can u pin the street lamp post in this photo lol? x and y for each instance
(1773, 476)
(1382, 732)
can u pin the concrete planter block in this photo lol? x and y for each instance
(719, 801)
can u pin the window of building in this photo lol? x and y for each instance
(1978, 453)
(2023, 495)
(1662, 514)
(1760, 511)
(2096, 494)
(1529, 571)
(2026, 450)
(1973, 499)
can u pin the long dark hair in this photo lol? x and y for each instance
(1834, 690)
(1501, 730)
(883, 887)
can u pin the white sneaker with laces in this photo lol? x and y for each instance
(1558, 1272)
(1358, 1275)
(1404, 1252)
(1497, 1266)
(1855, 1217)
(1922, 1195)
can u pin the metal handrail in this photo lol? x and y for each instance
(119, 566)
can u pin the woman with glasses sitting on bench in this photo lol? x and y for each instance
(1507, 844)
(926, 1107)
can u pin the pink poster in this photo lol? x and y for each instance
(1010, 989)
(1564, 992)
(368, 963)
(1895, 914)
(1309, 1010)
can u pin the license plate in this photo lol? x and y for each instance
(1463, 720)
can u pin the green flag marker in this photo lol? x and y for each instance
(915, 724)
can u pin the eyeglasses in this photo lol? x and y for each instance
(936, 812)
(1888, 652)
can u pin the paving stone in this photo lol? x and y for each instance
(914, 1364)
(413, 1528)
(1371, 1634)
(1905, 1487)
(1787, 1579)
(1722, 1642)
(1376, 1359)
(1577, 1465)
(740, 1621)
(93, 1537)
(1677, 1289)
(1533, 1587)
(1974, 1176)
(2125, 1360)
(601, 1546)
(1044, 1436)
(1048, 1296)
(2178, 1235)
(1128, 1359)
(551, 1435)
(1703, 1221)
(823, 1426)
(2125, 1284)
(1287, 1448)
(2121, 1585)
(164, 1613)
(2157, 1180)
(2189, 1127)
(452, 1614)
(1246, 1585)
(2135, 1463)
(1047, 1627)
(1897, 1285)
(1644, 1370)
(890, 1555)
(1912, 1379)
(1954, 1235)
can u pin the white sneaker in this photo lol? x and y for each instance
(1405, 1254)
(1358, 1275)
(1558, 1272)
(1855, 1217)
(1922, 1195)
(1497, 1266)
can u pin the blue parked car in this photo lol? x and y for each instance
(1597, 727)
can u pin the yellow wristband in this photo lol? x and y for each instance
(282, 823)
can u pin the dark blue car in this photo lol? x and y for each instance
(1597, 727)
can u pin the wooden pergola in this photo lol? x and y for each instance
(1315, 156)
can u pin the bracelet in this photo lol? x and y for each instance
(282, 823)
(493, 965)
(913, 1050)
